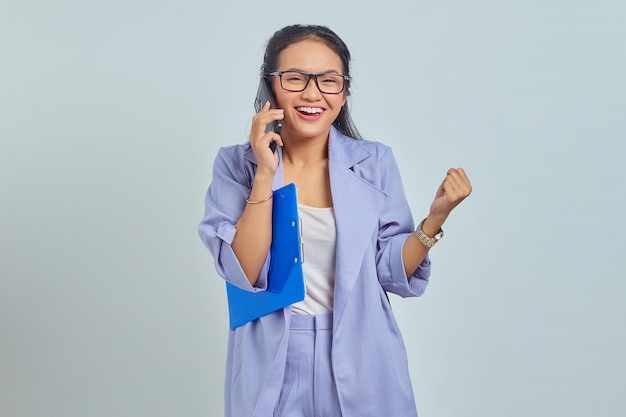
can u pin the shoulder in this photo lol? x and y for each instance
(234, 152)
(370, 160)
(362, 147)
(375, 148)
(236, 162)
(369, 144)
(235, 155)
(358, 150)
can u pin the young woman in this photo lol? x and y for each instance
(339, 352)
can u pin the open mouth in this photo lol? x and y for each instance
(310, 110)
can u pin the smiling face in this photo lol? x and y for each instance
(309, 113)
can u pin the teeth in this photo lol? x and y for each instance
(311, 110)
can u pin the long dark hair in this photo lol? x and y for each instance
(295, 33)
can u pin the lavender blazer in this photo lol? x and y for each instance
(373, 220)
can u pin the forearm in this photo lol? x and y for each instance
(252, 241)
(414, 251)
(454, 189)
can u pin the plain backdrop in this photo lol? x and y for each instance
(111, 113)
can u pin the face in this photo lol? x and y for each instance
(309, 113)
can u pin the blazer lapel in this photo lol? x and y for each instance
(357, 205)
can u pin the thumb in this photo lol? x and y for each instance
(440, 191)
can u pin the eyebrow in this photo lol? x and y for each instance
(330, 71)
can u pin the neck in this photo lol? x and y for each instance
(305, 152)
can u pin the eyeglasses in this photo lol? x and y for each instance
(296, 81)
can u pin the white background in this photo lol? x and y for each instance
(111, 113)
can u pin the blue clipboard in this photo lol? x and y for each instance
(285, 282)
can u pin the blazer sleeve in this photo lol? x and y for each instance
(395, 226)
(224, 204)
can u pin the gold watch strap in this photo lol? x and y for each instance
(428, 241)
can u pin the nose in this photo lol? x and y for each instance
(311, 91)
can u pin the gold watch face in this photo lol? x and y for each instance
(429, 242)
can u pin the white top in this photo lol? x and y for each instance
(319, 241)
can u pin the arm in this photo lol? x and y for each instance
(252, 241)
(454, 189)
(395, 228)
(224, 204)
(238, 233)
(402, 260)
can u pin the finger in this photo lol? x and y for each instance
(464, 178)
(278, 139)
(460, 174)
(440, 190)
(262, 119)
(460, 178)
(456, 187)
(450, 186)
(265, 140)
(454, 172)
(267, 115)
(463, 182)
(272, 136)
(455, 179)
(263, 108)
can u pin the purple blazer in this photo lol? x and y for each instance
(373, 220)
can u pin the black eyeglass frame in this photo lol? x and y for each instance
(346, 79)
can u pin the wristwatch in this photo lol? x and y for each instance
(429, 242)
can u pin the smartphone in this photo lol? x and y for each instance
(263, 95)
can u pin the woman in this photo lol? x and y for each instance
(339, 352)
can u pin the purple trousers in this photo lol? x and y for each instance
(309, 387)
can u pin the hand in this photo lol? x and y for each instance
(260, 141)
(454, 189)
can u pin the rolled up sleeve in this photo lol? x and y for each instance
(395, 226)
(224, 204)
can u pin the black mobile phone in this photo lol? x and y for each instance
(263, 95)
